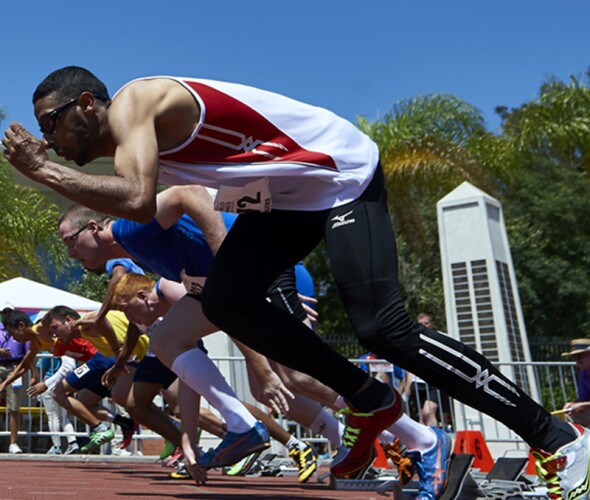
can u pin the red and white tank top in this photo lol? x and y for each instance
(309, 158)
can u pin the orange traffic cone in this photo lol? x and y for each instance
(381, 461)
(473, 442)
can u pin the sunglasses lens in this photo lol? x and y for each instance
(47, 124)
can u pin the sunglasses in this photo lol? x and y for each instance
(48, 121)
(69, 240)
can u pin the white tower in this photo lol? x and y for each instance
(481, 297)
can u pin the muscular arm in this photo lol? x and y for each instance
(270, 388)
(131, 339)
(117, 274)
(68, 364)
(190, 403)
(198, 204)
(25, 364)
(171, 291)
(127, 132)
(130, 193)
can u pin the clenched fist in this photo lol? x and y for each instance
(24, 151)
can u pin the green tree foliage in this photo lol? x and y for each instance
(547, 220)
(428, 145)
(90, 285)
(555, 126)
(29, 243)
(537, 167)
(546, 207)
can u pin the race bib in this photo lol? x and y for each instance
(253, 197)
(193, 284)
(81, 371)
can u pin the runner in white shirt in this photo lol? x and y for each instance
(300, 175)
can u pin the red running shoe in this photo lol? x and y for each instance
(360, 433)
(128, 435)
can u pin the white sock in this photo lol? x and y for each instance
(414, 435)
(102, 427)
(386, 437)
(197, 371)
(340, 403)
(329, 427)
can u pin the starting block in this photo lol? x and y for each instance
(369, 481)
(504, 481)
(460, 484)
(268, 465)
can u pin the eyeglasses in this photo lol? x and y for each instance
(70, 240)
(48, 121)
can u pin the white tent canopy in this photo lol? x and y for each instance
(25, 294)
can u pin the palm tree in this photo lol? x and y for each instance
(556, 125)
(29, 243)
(428, 145)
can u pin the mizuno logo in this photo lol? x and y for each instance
(341, 220)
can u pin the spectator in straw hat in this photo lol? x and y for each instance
(579, 411)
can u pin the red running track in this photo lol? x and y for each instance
(32, 478)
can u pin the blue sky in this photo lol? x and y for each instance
(353, 57)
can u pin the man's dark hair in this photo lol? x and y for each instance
(60, 313)
(70, 82)
(14, 317)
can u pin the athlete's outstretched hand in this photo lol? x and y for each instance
(198, 473)
(24, 151)
(112, 374)
(37, 389)
(312, 314)
(191, 455)
(274, 393)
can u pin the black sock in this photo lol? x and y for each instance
(123, 422)
(374, 396)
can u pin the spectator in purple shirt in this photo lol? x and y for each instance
(11, 353)
(579, 411)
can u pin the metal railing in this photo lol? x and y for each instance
(556, 381)
(34, 435)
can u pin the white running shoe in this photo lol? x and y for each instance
(72, 448)
(14, 449)
(566, 472)
(119, 452)
(54, 450)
